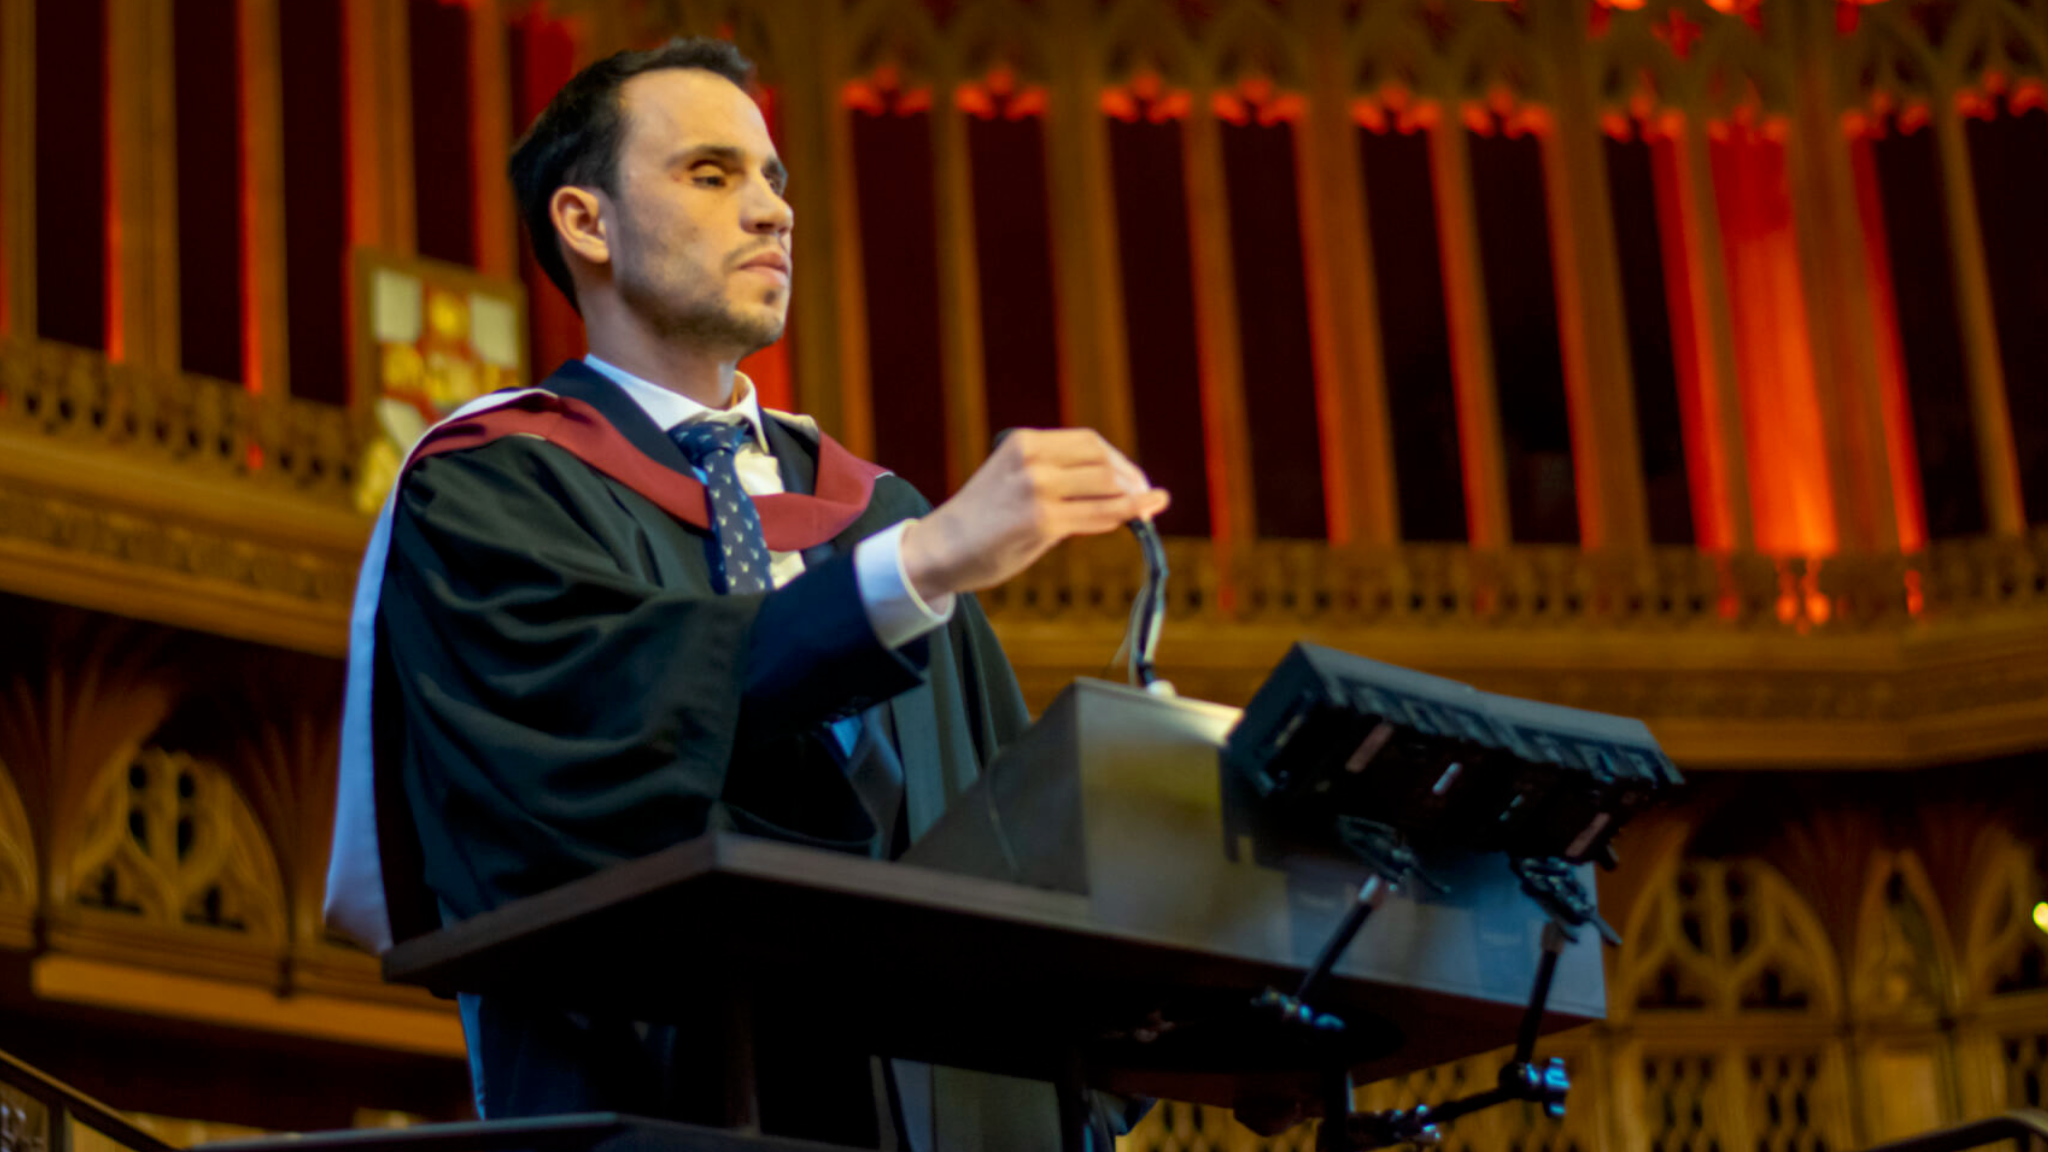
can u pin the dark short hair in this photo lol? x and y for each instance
(575, 140)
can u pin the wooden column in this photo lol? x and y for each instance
(1225, 432)
(960, 346)
(17, 169)
(855, 400)
(1835, 275)
(606, 27)
(1696, 282)
(380, 201)
(265, 359)
(1592, 325)
(1486, 491)
(142, 178)
(1997, 458)
(809, 118)
(1351, 382)
(496, 240)
(1095, 371)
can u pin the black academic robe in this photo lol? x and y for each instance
(564, 691)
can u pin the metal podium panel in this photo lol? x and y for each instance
(1120, 796)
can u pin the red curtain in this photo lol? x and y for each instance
(1788, 469)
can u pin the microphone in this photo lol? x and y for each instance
(1148, 610)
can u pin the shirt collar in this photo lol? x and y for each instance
(669, 409)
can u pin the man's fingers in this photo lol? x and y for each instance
(1078, 482)
(1061, 446)
(1077, 448)
(1094, 517)
(1133, 476)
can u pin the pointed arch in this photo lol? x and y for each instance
(1902, 959)
(170, 840)
(1000, 33)
(1993, 36)
(749, 27)
(896, 34)
(1632, 64)
(1653, 844)
(279, 727)
(1665, 962)
(1143, 35)
(1386, 46)
(82, 692)
(1888, 60)
(1733, 70)
(17, 847)
(1793, 947)
(1247, 41)
(2004, 950)
(1491, 51)
(1728, 937)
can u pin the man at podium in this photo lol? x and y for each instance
(604, 615)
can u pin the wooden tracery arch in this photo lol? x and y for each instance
(2004, 951)
(170, 841)
(1638, 73)
(1000, 35)
(1994, 38)
(1888, 65)
(1737, 72)
(1387, 50)
(18, 886)
(1247, 41)
(1903, 964)
(898, 35)
(1724, 938)
(1140, 37)
(1490, 58)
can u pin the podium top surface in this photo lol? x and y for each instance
(953, 969)
(733, 900)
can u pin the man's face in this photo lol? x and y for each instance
(700, 246)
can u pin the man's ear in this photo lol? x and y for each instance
(578, 215)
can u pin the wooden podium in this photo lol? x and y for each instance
(1099, 877)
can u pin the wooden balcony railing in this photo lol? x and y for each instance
(164, 477)
(198, 427)
(1308, 584)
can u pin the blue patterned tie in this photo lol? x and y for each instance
(740, 562)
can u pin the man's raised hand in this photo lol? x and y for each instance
(1037, 489)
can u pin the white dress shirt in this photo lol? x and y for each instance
(895, 610)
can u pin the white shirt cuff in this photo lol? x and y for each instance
(895, 610)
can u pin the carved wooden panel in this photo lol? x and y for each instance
(2026, 1061)
(1786, 1102)
(168, 839)
(1434, 1086)
(24, 1123)
(1728, 937)
(17, 848)
(1680, 1106)
(2006, 950)
(1903, 961)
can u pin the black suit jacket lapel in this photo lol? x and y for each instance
(797, 457)
(579, 381)
(794, 455)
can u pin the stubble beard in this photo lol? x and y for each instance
(712, 325)
(708, 322)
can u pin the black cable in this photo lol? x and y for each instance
(1148, 611)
